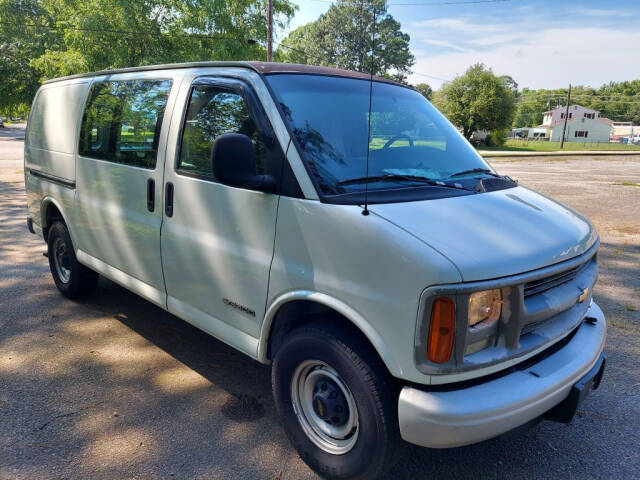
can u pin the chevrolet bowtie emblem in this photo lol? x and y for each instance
(584, 295)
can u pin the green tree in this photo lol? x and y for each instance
(510, 83)
(40, 39)
(20, 42)
(531, 105)
(477, 100)
(425, 89)
(342, 38)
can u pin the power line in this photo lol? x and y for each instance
(598, 102)
(205, 36)
(431, 76)
(405, 4)
(185, 35)
(621, 96)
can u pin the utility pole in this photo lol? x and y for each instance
(270, 31)
(566, 117)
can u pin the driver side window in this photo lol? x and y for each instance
(214, 111)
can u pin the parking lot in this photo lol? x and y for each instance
(113, 387)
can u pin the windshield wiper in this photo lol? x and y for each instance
(474, 170)
(395, 177)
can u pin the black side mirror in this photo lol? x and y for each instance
(233, 163)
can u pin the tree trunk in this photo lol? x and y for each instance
(467, 132)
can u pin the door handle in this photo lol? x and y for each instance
(168, 203)
(151, 195)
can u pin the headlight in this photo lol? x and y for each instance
(484, 307)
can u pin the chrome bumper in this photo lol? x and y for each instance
(443, 419)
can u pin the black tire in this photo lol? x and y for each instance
(81, 281)
(377, 445)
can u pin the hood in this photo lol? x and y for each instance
(495, 234)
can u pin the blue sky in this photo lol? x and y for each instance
(540, 43)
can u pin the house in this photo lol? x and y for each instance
(624, 130)
(557, 114)
(583, 125)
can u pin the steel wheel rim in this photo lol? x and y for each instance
(61, 260)
(337, 438)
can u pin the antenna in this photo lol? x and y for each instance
(373, 52)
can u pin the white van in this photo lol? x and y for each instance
(400, 288)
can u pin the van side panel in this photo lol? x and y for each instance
(50, 148)
(364, 267)
(117, 232)
(53, 129)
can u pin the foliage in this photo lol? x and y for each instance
(19, 43)
(40, 39)
(510, 83)
(425, 89)
(496, 138)
(58, 64)
(342, 38)
(477, 100)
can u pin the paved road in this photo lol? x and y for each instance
(113, 387)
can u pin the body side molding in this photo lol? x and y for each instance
(144, 290)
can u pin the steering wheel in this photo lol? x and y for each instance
(398, 137)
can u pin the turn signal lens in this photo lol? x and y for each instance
(441, 330)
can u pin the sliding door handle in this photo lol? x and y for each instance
(168, 203)
(151, 194)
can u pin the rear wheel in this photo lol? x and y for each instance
(337, 403)
(73, 279)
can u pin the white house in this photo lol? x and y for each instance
(581, 130)
(583, 125)
(557, 114)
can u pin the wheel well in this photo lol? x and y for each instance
(302, 312)
(51, 214)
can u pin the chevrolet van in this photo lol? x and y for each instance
(335, 226)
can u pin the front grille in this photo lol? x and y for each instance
(543, 284)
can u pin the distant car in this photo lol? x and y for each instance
(1, 124)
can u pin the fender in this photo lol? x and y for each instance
(345, 310)
(44, 204)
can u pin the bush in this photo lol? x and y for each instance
(496, 138)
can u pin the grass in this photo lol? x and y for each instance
(378, 142)
(544, 146)
(629, 184)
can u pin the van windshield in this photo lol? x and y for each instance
(409, 138)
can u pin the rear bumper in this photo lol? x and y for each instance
(443, 419)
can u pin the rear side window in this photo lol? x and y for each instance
(212, 112)
(122, 121)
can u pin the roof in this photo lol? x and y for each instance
(264, 68)
(272, 67)
(581, 119)
(563, 107)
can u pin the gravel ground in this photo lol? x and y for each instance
(113, 387)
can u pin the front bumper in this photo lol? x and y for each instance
(443, 419)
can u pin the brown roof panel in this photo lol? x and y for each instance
(260, 67)
(273, 67)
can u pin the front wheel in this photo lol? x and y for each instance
(73, 279)
(337, 403)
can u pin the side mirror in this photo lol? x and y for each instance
(233, 163)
